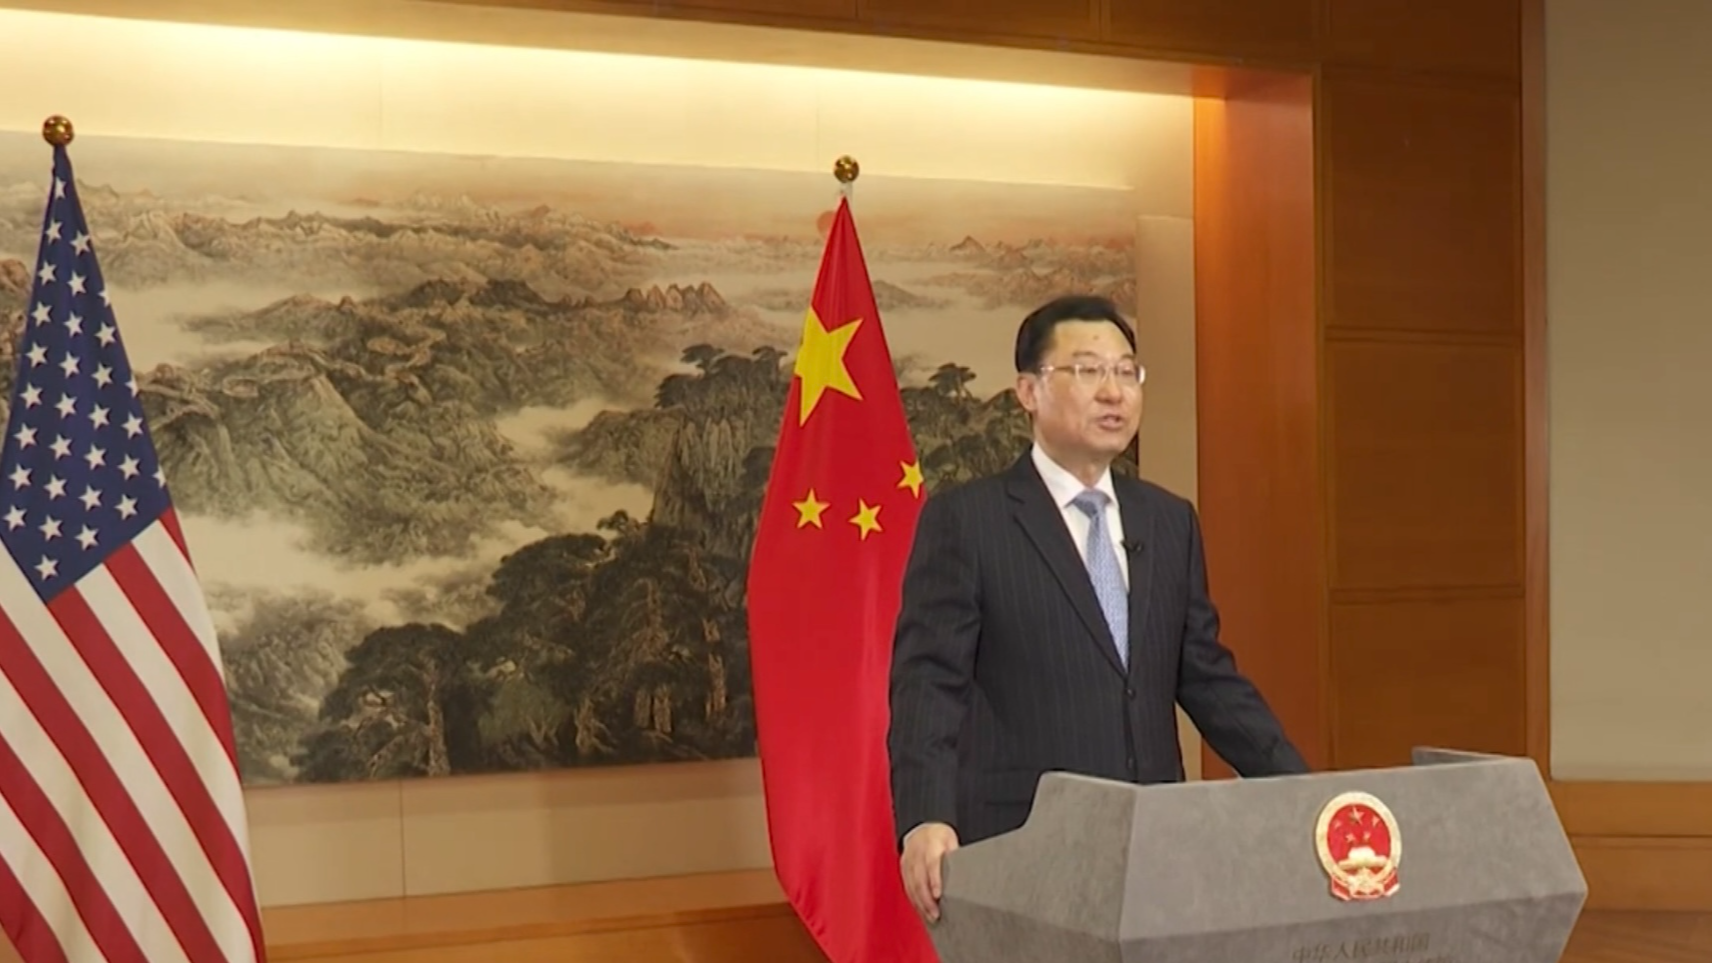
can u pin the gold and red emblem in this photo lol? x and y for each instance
(1360, 846)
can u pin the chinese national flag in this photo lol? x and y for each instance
(824, 581)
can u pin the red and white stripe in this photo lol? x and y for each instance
(123, 833)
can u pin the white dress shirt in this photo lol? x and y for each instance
(1064, 488)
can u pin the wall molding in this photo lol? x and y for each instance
(729, 916)
(1658, 810)
(1652, 874)
(1641, 845)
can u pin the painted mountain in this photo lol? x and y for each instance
(469, 449)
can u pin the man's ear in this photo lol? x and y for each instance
(1026, 386)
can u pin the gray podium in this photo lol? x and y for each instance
(1459, 858)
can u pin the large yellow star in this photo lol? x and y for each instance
(809, 509)
(820, 362)
(912, 477)
(868, 519)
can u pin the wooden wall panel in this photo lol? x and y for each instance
(1607, 936)
(1649, 873)
(1424, 395)
(623, 8)
(829, 9)
(1536, 487)
(1257, 387)
(1425, 465)
(777, 938)
(1641, 845)
(1284, 29)
(1077, 19)
(1659, 809)
(1423, 213)
(738, 917)
(1479, 37)
(1442, 672)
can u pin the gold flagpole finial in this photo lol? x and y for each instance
(57, 131)
(846, 170)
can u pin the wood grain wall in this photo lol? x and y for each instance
(1257, 377)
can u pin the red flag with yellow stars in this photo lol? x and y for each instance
(824, 583)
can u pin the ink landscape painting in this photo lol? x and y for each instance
(469, 450)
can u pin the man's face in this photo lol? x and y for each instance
(1087, 414)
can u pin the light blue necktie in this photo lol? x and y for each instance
(1103, 569)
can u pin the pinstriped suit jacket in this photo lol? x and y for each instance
(1003, 667)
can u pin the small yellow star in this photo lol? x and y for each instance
(820, 362)
(868, 519)
(809, 509)
(912, 477)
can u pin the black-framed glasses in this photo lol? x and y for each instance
(1127, 374)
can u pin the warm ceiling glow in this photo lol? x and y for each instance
(349, 90)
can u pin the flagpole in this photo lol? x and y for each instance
(846, 170)
(57, 131)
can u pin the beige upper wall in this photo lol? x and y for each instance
(1629, 280)
(205, 83)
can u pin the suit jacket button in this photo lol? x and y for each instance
(1129, 691)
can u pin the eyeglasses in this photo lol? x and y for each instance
(1127, 374)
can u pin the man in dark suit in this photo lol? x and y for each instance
(1054, 615)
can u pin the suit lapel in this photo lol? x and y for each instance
(1138, 532)
(1044, 524)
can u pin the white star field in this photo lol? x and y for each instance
(78, 472)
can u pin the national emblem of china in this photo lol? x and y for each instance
(1360, 846)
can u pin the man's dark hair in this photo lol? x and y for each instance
(1035, 332)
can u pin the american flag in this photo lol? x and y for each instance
(123, 834)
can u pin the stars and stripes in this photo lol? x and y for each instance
(123, 834)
